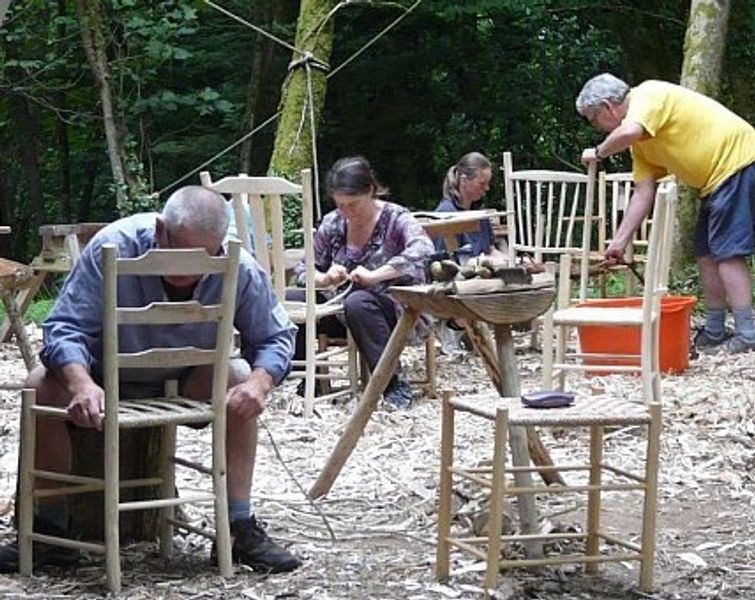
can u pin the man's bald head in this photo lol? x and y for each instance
(196, 209)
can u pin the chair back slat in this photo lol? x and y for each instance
(182, 261)
(166, 313)
(550, 213)
(166, 358)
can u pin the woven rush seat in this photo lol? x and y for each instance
(596, 410)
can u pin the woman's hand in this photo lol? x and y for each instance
(363, 277)
(336, 275)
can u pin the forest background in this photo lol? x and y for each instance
(185, 81)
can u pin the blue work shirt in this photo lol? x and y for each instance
(73, 331)
(478, 242)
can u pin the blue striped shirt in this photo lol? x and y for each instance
(73, 331)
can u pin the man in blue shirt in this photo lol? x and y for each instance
(193, 217)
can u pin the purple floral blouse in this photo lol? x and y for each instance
(397, 240)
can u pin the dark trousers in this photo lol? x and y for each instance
(370, 317)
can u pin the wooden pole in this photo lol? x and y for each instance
(367, 405)
(537, 450)
(510, 388)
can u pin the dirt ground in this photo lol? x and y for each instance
(373, 536)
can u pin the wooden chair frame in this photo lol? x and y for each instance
(595, 414)
(166, 412)
(264, 197)
(646, 317)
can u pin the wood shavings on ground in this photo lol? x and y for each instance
(373, 536)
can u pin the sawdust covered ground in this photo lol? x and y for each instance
(373, 536)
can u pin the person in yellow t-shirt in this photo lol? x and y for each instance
(673, 130)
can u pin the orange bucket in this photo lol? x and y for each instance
(674, 335)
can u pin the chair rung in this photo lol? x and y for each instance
(164, 502)
(210, 535)
(191, 465)
(570, 558)
(95, 487)
(596, 368)
(68, 542)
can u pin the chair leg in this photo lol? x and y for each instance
(497, 492)
(309, 369)
(647, 544)
(220, 489)
(430, 366)
(445, 489)
(167, 488)
(112, 499)
(353, 358)
(322, 346)
(593, 496)
(26, 483)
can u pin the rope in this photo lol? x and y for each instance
(308, 61)
(259, 30)
(375, 39)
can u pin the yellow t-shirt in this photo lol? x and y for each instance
(690, 135)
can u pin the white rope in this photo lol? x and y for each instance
(259, 30)
(375, 39)
(307, 59)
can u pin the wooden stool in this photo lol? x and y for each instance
(594, 413)
(15, 278)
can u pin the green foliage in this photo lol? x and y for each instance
(36, 313)
(487, 75)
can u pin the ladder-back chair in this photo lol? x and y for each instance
(264, 198)
(549, 213)
(646, 317)
(167, 411)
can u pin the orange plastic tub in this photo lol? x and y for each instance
(674, 336)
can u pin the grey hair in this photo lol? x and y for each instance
(601, 88)
(470, 166)
(197, 209)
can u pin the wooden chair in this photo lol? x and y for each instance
(264, 197)
(166, 412)
(602, 544)
(549, 213)
(646, 317)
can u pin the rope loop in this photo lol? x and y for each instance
(309, 60)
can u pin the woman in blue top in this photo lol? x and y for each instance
(463, 189)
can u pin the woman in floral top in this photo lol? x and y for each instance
(375, 244)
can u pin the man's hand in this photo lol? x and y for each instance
(247, 400)
(588, 156)
(86, 407)
(363, 277)
(614, 255)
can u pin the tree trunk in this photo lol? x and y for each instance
(25, 118)
(704, 45)
(61, 127)
(90, 17)
(293, 139)
(139, 458)
(4, 5)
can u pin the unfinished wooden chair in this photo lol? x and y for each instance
(598, 478)
(166, 412)
(550, 213)
(264, 197)
(559, 323)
